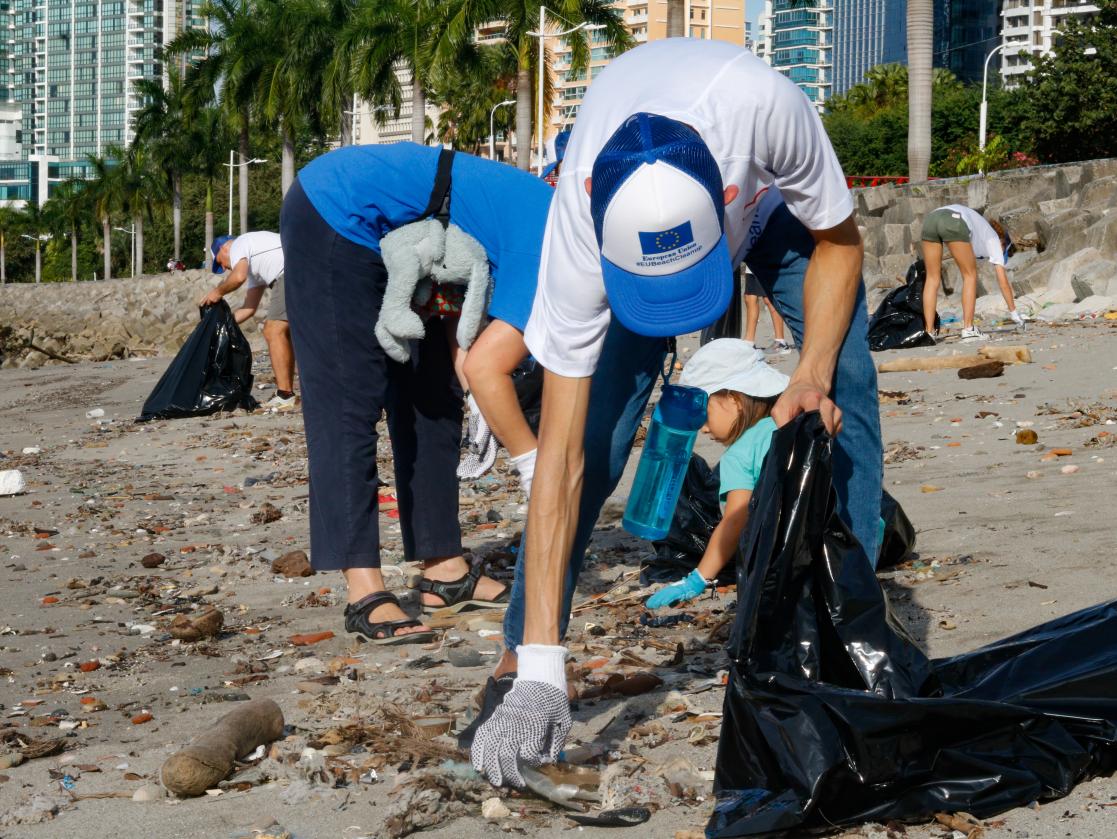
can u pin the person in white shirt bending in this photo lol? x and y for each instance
(255, 261)
(969, 237)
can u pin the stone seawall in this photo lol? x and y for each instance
(1063, 218)
(98, 321)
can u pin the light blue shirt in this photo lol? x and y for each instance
(364, 192)
(740, 466)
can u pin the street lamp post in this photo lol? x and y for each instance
(983, 118)
(132, 232)
(542, 36)
(38, 240)
(233, 166)
(492, 132)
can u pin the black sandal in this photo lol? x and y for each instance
(382, 632)
(457, 595)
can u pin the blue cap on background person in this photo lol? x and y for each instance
(658, 211)
(561, 140)
(218, 243)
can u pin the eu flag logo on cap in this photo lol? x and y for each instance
(666, 240)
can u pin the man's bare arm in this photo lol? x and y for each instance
(250, 304)
(555, 498)
(829, 293)
(234, 281)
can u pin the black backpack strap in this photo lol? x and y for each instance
(439, 204)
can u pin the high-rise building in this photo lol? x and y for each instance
(867, 33)
(965, 32)
(1030, 28)
(72, 68)
(800, 44)
(648, 20)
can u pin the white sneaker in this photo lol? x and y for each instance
(280, 405)
(972, 333)
(778, 347)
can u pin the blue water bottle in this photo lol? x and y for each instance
(659, 477)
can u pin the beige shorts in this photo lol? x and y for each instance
(277, 302)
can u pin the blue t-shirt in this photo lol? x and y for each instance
(364, 192)
(740, 466)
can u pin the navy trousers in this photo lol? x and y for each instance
(334, 291)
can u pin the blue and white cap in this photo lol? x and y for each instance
(658, 211)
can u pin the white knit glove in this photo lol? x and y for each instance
(525, 465)
(531, 724)
(482, 445)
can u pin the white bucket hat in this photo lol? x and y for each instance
(732, 364)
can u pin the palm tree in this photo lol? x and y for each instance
(104, 194)
(35, 223)
(9, 221)
(293, 93)
(141, 190)
(381, 37)
(920, 44)
(467, 99)
(238, 47)
(162, 124)
(66, 211)
(209, 135)
(521, 18)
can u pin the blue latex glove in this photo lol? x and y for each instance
(688, 588)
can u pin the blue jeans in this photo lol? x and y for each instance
(779, 260)
(629, 367)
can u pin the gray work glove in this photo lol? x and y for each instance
(532, 722)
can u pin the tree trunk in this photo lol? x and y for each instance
(920, 39)
(3, 261)
(138, 223)
(207, 259)
(176, 186)
(523, 118)
(418, 111)
(73, 254)
(287, 175)
(106, 232)
(244, 175)
(38, 263)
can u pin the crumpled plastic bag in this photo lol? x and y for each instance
(212, 372)
(834, 716)
(898, 540)
(898, 321)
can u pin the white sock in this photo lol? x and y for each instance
(525, 465)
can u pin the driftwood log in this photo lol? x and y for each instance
(911, 364)
(210, 756)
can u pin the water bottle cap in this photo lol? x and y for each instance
(682, 407)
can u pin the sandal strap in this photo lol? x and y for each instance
(370, 602)
(453, 591)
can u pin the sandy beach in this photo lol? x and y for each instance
(1007, 538)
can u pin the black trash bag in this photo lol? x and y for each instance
(528, 381)
(212, 372)
(899, 533)
(833, 716)
(699, 512)
(696, 515)
(729, 324)
(898, 321)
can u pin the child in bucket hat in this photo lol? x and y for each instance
(742, 389)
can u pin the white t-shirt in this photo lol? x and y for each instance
(984, 239)
(264, 254)
(759, 126)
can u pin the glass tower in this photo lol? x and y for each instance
(867, 33)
